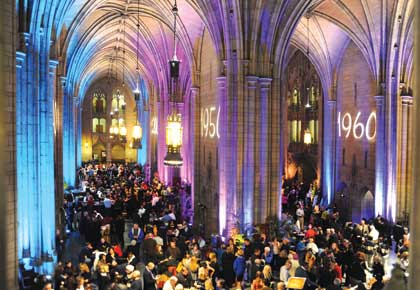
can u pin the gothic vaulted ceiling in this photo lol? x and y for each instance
(98, 38)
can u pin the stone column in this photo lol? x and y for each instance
(8, 222)
(328, 153)
(139, 111)
(414, 268)
(380, 190)
(22, 163)
(410, 152)
(249, 154)
(108, 145)
(46, 198)
(190, 173)
(145, 125)
(68, 153)
(404, 135)
(223, 151)
(162, 113)
(58, 150)
(143, 114)
(78, 111)
(262, 149)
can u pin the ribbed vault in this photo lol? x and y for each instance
(92, 36)
(333, 23)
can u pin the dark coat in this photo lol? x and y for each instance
(149, 282)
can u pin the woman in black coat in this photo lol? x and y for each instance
(228, 258)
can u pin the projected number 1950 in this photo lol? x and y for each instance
(210, 117)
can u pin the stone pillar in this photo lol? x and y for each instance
(404, 139)
(283, 141)
(139, 111)
(162, 113)
(78, 111)
(143, 117)
(410, 152)
(249, 148)
(109, 141)
(22, 182)
(328, 153)
(262, 149)
(414, 268)
(223, 151)
(196, 182)
(46, 189)
(58, 151)
(191, 105)
(391, 131)
(68, 153)
(8, 222)
(380, 188)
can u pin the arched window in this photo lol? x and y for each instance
(114, 104)
(294, 131)
(102, 125)
(313, 97)
(295, 100)
(313, 128)
(98, 103)
(94, 102)
(118, 101)
(95, 123)
(122, 104)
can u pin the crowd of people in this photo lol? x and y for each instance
(164, 252)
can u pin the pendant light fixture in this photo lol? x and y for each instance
(137, 129)
(174, 126)
(307, 136)
(122, 128)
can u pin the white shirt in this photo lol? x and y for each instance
(300, 212)
(374, 234)
(284, 274)
(313, 247)
(168, 285)
(155, 200)
(141, 212)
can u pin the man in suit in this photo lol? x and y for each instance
(149, 277)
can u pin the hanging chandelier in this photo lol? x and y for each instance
(137, 129)
(174, 126)
(307, 136)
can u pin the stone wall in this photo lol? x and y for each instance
(90, 140)
(207, 143)
(355, 153)
(8, 259)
